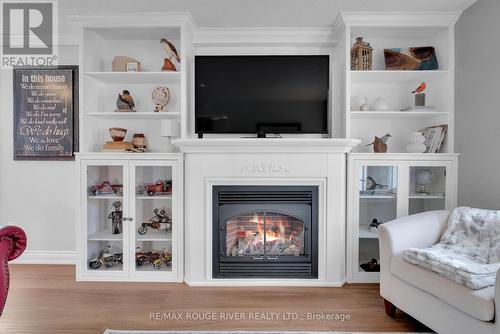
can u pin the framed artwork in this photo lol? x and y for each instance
(415, 58)
(45, 113)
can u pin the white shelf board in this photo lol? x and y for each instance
(426, 196)
(378, 196)
(148, 267)
(105, 235)
(135, 115)
(104, 197)
(154, 235)
(147, 197)
(377, 76)
(364, 233)
(396, 114)
(135, 77)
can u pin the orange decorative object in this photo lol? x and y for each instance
(420, 88)
(168, 66)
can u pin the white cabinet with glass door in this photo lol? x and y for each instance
(384, 187)
(130, 224)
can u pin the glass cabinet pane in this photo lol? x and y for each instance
(104, 218)
(427, 189)
(377, 204)
(153, 218)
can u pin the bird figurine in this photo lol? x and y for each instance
(380, 144)
(171, 52)
(420, 88)
(125, 102)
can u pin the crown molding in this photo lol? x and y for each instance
(142, 19)
(264, 36)
(389, 19)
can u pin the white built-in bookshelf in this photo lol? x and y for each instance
(396, 168)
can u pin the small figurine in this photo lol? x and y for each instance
(171, 53)
(420, 95)
(161, 219)
(380, 144)
(374, 226)
(106, 258)
(159, 188)
(125, 102)
(371, 185)
(116, 218)
(371, 266)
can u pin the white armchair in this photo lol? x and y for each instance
(439, 303)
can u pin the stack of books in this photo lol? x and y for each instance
(117, 146)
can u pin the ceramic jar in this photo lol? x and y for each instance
(416, 143)
(139, 141)
(380, 104)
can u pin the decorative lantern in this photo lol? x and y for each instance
(361, 55)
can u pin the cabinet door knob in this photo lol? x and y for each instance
(128, 219)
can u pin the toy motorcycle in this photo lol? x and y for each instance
(106, 258)
(156, 259)
(163, 259)
(161, 219)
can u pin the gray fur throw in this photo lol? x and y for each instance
(469, 250)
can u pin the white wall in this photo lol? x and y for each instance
(477, 104)
(37, 196)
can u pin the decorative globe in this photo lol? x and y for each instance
(160, 97)
(424, 177)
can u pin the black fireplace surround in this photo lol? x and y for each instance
(265, 232)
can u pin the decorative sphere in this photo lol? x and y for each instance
(424, 177)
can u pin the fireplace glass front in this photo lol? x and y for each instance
(264, 231)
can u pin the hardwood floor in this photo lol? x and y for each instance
(46, 299)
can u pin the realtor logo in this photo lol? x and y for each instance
(29, 33)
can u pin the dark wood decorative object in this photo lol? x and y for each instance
(390, 309)
(45, 113)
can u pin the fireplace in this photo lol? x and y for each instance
(265, 232)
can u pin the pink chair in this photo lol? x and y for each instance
(12, 245)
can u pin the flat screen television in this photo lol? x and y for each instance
(261, 94)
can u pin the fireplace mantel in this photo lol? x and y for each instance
(265, 145)
(314, 162)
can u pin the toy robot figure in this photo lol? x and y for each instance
(116, 218)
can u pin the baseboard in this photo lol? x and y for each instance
(46, 257)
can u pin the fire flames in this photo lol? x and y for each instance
(248, 237)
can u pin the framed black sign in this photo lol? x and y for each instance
(45, 113)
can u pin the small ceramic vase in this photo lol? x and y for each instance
(357, 102)
(380, 104)
(416, 143)
(117, 134)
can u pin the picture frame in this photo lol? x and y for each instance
(45, 130)
(132, 67)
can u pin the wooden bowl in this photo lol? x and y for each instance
(117, 134)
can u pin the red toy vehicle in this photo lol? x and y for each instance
(161, 187)
(106, 188)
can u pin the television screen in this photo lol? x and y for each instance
(261, 94)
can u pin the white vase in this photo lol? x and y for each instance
(380, 104)
(357, 101)
(416, 143)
